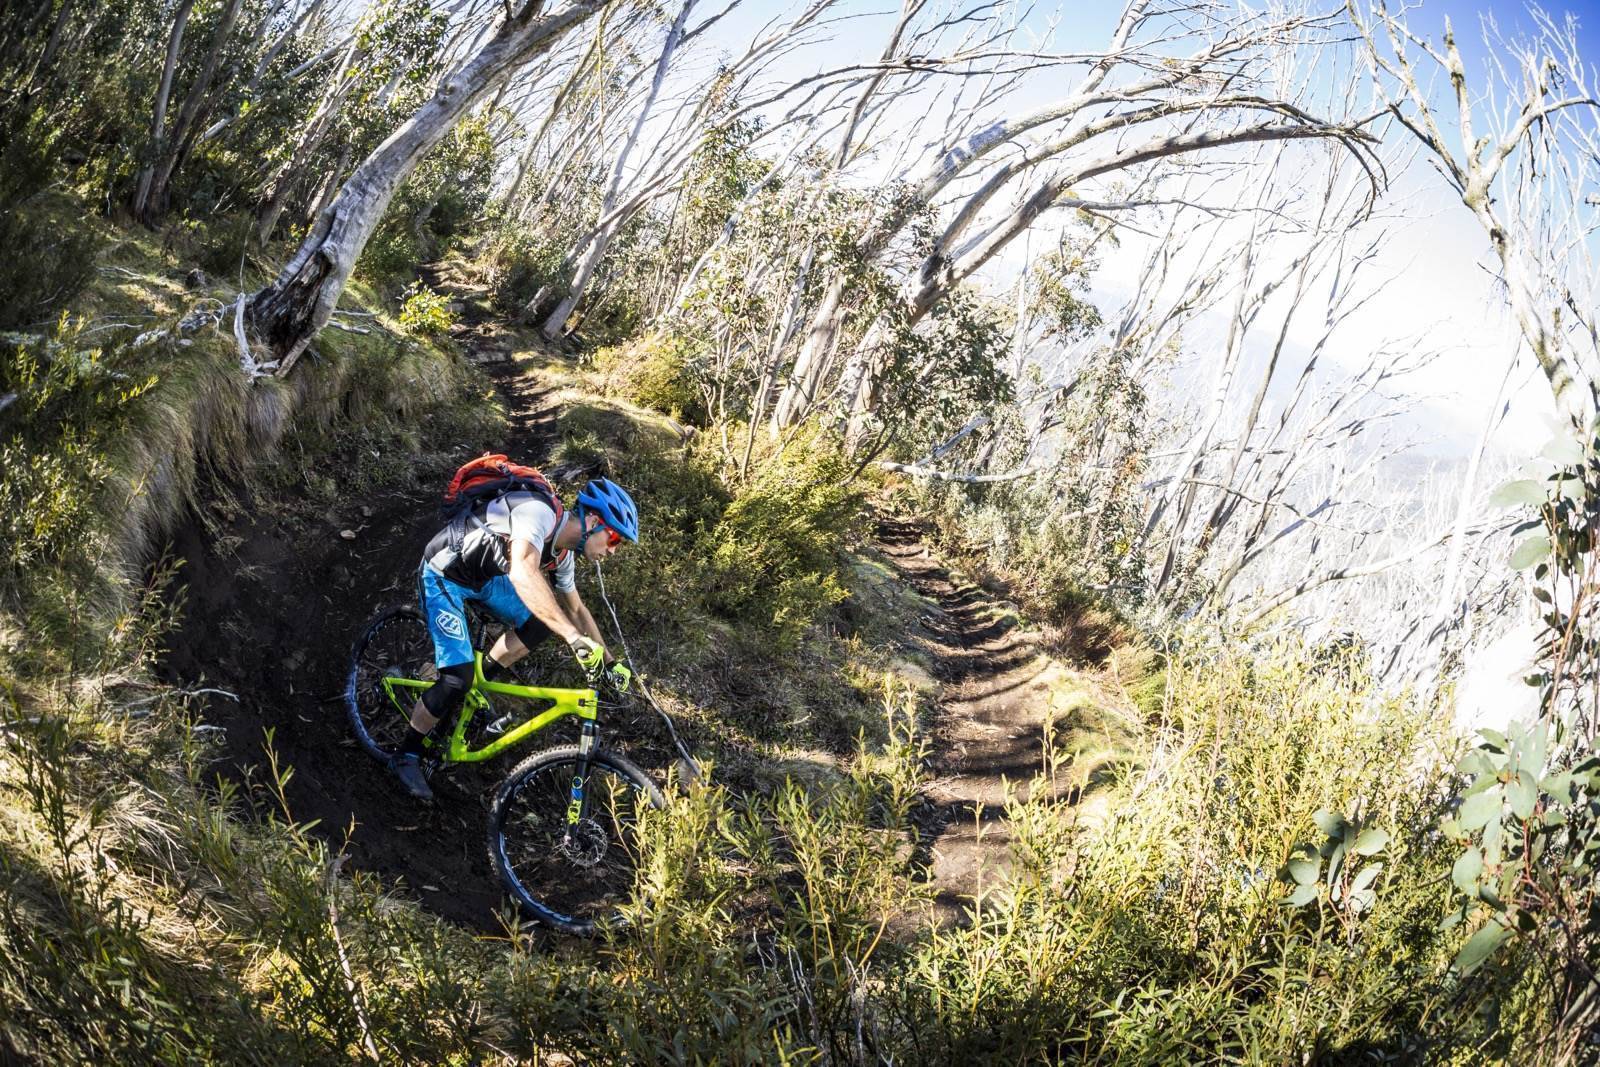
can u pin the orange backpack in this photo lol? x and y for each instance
(483, 479)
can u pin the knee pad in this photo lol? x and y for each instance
(446, 695)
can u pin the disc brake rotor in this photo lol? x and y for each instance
(585, 843)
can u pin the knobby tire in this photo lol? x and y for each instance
(394, 643)
(527, 822)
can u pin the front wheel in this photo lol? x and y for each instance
(569, 876)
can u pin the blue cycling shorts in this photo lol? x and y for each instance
(444, 605)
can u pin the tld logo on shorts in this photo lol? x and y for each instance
(451, 624)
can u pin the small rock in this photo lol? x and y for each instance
(348, 535)
(487, 354)
(366, 511)
(196, 279)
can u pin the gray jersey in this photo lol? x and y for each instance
(485, 550)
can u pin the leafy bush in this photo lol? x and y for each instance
(49, 255)
(220, 244)
(763, 554)
(653, 372)
(391, 256)
(519, 265)
(425, 313)
(64, 403)
(774, 554)
(1526, 835)
(1153, 925)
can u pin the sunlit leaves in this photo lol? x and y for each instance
(1523, 492)
(1334, 865)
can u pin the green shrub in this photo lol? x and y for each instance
(518, 265)
(654, 372)
(66, 405)
(391, 256)
(774, 556)
(1152, 925)
(763, 554)
(425, 313)
(220, 243)
(49, 254)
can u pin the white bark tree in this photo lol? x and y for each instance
(1134, 104)
(1524, 177)
(593, 251)
(178, 142)
(157, 145)
(289, 312)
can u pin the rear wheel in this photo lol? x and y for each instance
(394, 645)
(569, 876)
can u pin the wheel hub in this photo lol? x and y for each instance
(585, 843)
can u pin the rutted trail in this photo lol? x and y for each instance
(998, 691)
(277, 595)
(274, 602)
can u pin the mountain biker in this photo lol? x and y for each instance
(517, 560)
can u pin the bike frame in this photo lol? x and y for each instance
(582, 703)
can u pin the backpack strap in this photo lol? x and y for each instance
(550, 557)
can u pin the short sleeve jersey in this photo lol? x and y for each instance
(485, 551)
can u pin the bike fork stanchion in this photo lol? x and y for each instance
(578, 804)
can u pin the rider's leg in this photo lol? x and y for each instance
(438, 700)
(444, 607)
(507, 650)
(523, 629)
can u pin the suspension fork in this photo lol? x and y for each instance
(578, 803)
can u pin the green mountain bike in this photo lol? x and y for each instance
(561, 824)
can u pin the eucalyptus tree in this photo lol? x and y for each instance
(1518, 143)
(288, 313)
(588, 256)
(1519, 148)
(384, 65)
(706, 109)
(1135, 104)
(158, 119)
(170, 147)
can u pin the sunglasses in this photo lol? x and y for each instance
(612, 537)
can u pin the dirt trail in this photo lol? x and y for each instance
(997, 690)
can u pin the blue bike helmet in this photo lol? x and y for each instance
(612, 503)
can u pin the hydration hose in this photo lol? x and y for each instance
(690, 767)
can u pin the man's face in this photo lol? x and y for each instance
(600, 541)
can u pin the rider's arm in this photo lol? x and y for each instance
(579, 614)
(535, 591)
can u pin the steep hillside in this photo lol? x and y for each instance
(277, 589)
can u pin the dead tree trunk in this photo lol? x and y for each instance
(289, 312)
